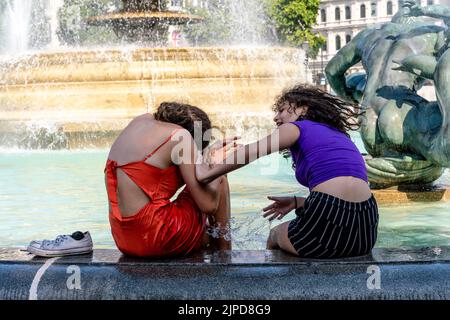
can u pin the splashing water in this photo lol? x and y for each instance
(218, 231)
(41, 135)
(245, 232)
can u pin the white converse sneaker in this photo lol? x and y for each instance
(64, 245)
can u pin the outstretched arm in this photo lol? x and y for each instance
(282, 138)
(436, 11)
(347, 57)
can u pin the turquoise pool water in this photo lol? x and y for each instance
(46, 193)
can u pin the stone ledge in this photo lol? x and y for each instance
(237, 257)
(407, 273)
(395, 196)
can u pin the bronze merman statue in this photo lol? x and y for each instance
(406, 136)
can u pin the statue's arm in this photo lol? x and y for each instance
(419, 65)
(335, 71)
(436, 11)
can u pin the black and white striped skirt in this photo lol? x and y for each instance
(329, 227)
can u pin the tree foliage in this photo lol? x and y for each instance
(73, 26)
(231, 22)
(294, 20)
(285, 22)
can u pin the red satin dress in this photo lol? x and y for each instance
(161, 228)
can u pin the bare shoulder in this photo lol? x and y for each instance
(290, 129)
(137, 122)
(145, 116)
(167, 126)
(288, 134)
(155, 128)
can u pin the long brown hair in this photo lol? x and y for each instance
(322, 107)
(186, 116)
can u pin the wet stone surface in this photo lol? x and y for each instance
(238, 257)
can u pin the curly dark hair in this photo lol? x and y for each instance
(322, 107)
(186, 116)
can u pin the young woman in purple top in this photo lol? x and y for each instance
(339, 218)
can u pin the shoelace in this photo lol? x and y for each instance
(55, 243)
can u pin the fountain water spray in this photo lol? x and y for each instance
(17, 23)
(53, 7)
(88, 95)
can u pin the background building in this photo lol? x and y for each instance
(177, 5)
(340, 20)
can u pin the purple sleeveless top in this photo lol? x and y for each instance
(322, 152)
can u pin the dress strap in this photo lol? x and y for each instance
(167, 140)
(111, 186)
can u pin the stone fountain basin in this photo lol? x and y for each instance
(95, 93)
(118, 84)
(405, 273)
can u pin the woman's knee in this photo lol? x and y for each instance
(224, 182)
(274, 236)
(271, 240)
(279, 238)
(223, 205)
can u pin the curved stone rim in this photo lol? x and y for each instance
(125, 18)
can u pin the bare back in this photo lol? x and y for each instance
(346, 188)
(142, 136)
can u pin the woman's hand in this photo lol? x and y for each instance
(214, 155)
(220, 150)
(280, 207)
